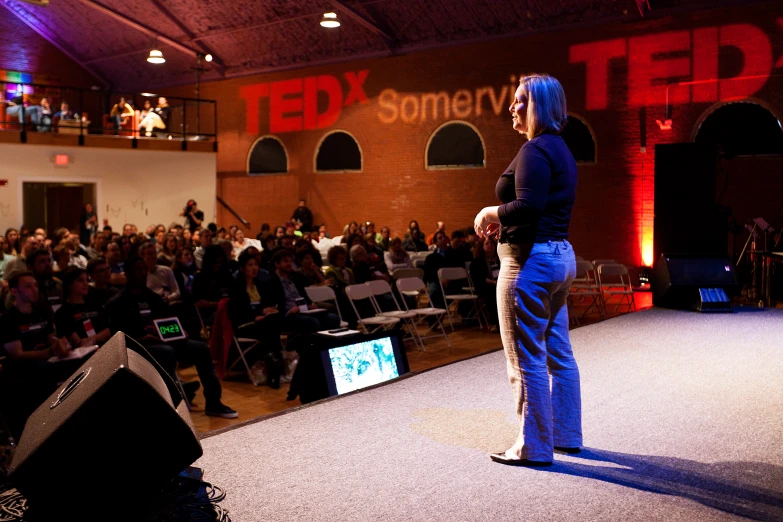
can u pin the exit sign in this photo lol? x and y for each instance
(61, 160)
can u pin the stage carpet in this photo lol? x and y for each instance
(682, 413)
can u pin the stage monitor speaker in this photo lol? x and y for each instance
(677, 279)
(109, 436)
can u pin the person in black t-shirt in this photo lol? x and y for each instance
(27, 336)
(50, 289)
(303, 215)
(82, 323)
(100, 290)
(132, 312)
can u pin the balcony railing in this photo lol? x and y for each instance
(184, 119)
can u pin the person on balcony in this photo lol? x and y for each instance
(120, 113)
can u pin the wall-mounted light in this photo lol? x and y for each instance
(330, 21)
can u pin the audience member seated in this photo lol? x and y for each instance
(50, 289)
(254, 307)
(20, 107)
(241, 243)
(484, 273)
(46, 116)
(306, 246)
(12, 244)
(212, 283)
(385, 234)
(100, 287)
(269, 244)
(430, 239)
(363, 271)
(294, 284)
(340, 276)
(443, 257)
(81, 322)
(28, 339)
(116, 265)
(157, 118)
(121, 116)
(184, 272)
(61, 256)
(19, 263)
(205, 240)
(146, 108)
(168, 250)
(461, 248)
(415, 242)
(160, 279)
(396, 257)
(5, 258)
(133, 310)
(309, 270)
(65, 112)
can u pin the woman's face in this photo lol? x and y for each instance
(195, 236)
(81, 286)
(352, 228)
(396, 246)
(489, 248)
(307, 262)
(13, 235)
(186, 234)
(171, 244)
(339, 260)
(518, 110)
(279, 232)
(186, 258)
(251, 268)
(239, 236)
(159, 237)
(126, 244)
(160, 229)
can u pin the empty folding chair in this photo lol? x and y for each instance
(370, 323)
(597, 262)
(615, 281)
(459, 274)
(381, 288)
(416, 286)
(585, 287)
(243, 346)
(324, 294)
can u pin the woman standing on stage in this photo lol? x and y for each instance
(537, 192)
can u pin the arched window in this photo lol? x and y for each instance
(267, 156)
(580, 140)
(742, 129)
(338, 152)
(455, 145)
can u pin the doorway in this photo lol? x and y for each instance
(51, 205)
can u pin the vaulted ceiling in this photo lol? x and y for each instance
(111, 38)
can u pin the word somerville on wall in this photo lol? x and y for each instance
(656, 63)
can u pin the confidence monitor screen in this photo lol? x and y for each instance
(364, 363)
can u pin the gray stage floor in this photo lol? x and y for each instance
(683, 420)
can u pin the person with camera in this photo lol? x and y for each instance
(193, 216)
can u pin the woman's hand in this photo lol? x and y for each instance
(487, 222)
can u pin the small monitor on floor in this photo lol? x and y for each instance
(364, 363)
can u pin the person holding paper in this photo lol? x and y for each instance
(81, 322)
(296, 317)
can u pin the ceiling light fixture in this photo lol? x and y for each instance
(330, 21)
(202, 56)
(156, 57)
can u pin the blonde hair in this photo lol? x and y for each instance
(546, 104)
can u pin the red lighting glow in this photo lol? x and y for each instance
(61, 159)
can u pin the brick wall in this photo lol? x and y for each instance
(614, 211)
(22, 49)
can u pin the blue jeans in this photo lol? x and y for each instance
(531, 295)
(34, 111)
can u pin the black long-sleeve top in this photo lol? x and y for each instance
(270, 290)
(538, 191)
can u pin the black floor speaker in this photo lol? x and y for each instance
(677, 279)
(109, 436)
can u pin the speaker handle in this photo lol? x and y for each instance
(70, 387)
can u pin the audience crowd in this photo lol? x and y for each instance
(76, 288)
